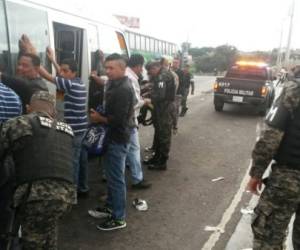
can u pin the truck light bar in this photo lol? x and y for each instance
(251, 63)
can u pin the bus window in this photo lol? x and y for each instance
(4, 58)
(132, 41)
(122, 43)
(156, 46)
(152, 49)
(29, 21)
(109, 41)
(68, 43)
(143, 43)
(93, 45)
(127, 36)
(137, 42)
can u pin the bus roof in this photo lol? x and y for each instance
(91, 14)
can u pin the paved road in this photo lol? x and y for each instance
(183, 199)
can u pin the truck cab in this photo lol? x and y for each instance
(245, 83)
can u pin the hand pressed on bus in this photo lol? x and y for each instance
(26, 45)
(50, 54)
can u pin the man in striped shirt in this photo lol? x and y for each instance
(10, 106)
(10, 103)
(75, 113)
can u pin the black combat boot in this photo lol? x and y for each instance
(183, 112)
(152, 160)
(160, 165)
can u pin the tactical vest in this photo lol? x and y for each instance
(289, 150)
(47, 154)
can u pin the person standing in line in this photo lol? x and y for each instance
(133, 70)
(119, 110)
(175, 113)
(187, 83)
(178, 97)
(75, 114)
(10, 107)
(163, 96)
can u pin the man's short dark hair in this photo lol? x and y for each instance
(152, 64)
(36, 61)
(71, 63)
(115, 57)
(135, 60)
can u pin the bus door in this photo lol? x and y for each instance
(68, 42)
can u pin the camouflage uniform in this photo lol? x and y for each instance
(40, 204)
(185, 89)
(162, 114)
(177, 101)
(281, 197)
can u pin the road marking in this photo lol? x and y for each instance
(214, 237)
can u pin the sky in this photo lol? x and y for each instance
(246, 24)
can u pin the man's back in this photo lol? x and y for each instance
(119, 109)
(74, 103)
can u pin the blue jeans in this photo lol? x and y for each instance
(114, 164)
(134, 157)
(80, 164)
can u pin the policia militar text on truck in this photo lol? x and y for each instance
(245, 83)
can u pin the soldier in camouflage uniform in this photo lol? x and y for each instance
(280, 199)
(42, 151)
(163, 95)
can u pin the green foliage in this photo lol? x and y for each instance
(207, 59)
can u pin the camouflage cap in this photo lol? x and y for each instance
(43, 96)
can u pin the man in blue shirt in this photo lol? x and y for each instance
(75, 113)
(10, 103)
(10, 106)
(75, 107)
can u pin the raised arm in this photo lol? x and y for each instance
(50, 54)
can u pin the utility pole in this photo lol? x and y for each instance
(279, 53)
(288, 47)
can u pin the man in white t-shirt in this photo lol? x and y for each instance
(133, 70)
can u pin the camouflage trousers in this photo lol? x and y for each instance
(162, 121)
(184, 98)
(39, 222)
(278, 202)
(175, 110)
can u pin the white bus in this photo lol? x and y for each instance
(150, 47)
(71, 35)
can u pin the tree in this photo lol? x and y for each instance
(207, 59)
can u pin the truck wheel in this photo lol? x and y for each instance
(219, 106)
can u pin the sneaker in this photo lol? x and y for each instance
(111, 224)
(143, 184)
(100, 212)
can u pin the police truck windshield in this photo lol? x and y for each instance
(247, 72)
